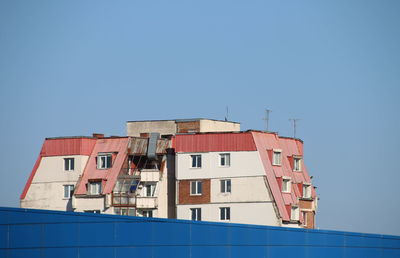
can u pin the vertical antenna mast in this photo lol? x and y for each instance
(267, 118)
(294, 125)
(227, 113)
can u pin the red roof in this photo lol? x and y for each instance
(242, 141)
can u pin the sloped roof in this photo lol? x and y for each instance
(116, 146)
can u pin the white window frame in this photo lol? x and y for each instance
(196, 187)
(225, 213)
(68, 191)
(286, 185)
(307, 191)
(195, 214)
(304, 213)
(195, 161)
(147, 213)
(275, 160)
(224, 159)
(297, 163)
(149, 187)
(69, 164)
(225, 186)
(94, 188)
(294, 213)
(106, 163)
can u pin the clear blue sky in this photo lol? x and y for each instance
(77, 67)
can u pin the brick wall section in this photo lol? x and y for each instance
(184, 127)
(306, 204)
(184, 192)
(310, 219)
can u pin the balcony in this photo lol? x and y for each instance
(150, 175)
(146, 202)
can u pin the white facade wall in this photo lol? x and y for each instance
(243, 163)
(47, 188)
(250, 200)
(246, 213)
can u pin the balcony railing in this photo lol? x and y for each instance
(146, 202)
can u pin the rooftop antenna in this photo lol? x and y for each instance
(294, 125)
(267, 111)
(227, 113)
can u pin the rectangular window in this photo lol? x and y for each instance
(148, 213)
(95, 188)
(225, 213)
(304, 218)
(104, 161)
(124, 211)
(196, 161)
(306, 191)
(277, 158)
(225, 186)
(294, 215)
(68, 191)
(92, 211)
(225, 159)
(286, 185)
(296, 164)
(196, 213)
(149, 190)
(195, 188)
(69, 164)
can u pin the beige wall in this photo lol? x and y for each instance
(247, 213)
(243, 189)
(218, 126)
(134, 128)
(47, 188)
(243, 163)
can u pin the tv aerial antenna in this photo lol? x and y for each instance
(294, 125)
(266, 119)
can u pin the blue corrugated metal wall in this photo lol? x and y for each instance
(38, 233)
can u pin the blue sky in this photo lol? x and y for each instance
(77, 67)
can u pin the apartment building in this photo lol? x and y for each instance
(243, 177)
(195, 169)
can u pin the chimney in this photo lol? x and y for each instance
(98, 135)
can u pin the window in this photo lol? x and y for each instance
(225, 160)
(149, 190)
(286, 185)
(69, 164)
(124, 211)
(104, 161)
(225, 213)
(306, 191)
(95, 188)
(296, 164)
(277, 158)
(196, 213)
(196, 161)
(225, 186)
(304, 218)
(68, 191)
(195, 188)
(294, 215)
(148, 213)
(92, 211)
